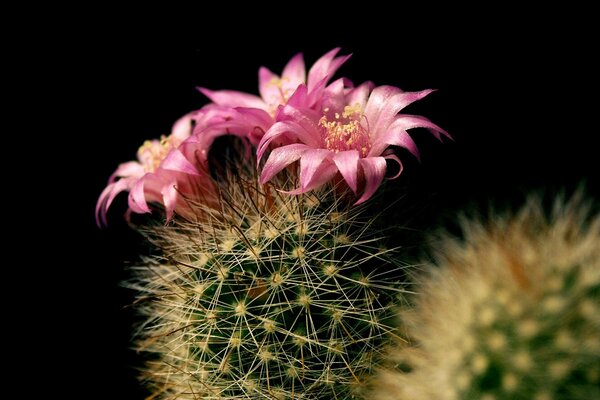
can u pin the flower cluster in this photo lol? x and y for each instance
(335, 131)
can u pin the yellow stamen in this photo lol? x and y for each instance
(152, 152)
(346, 132)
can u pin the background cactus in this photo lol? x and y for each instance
(512, 312)
(271, 296)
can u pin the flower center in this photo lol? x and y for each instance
(152, 152)
(345, 132)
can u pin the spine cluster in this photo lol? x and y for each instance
(510, 312)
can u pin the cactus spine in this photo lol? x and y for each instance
(272, 296)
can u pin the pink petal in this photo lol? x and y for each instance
(129, 169)
(347, 164)
(255, 117)
(291, 131)
(303, 99)
(385, 109)
(176, 161)
(320, 68)
(256, 121)
(169, 195)
(137, 197)
(334, 97)
(373, 171)
(108, 195)
(211, 114)
(232, 98)
(280, 158)
(307, 119)
(294, 71)
(377, 101)
(197, 146)
(396, 134)
(325, 173)
(394, 137)
(100, 205)
(268, 89)
(182, 128)
(244, 122)
(406, 121)
(395, 158)
(310, 163)
(299, 98)
(241, 121)
(360, 94)
(278, 129)
(325, 67)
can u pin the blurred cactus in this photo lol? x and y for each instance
(271, 296)
(510, 312)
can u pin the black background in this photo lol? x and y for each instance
(517, 92)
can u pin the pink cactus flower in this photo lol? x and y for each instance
(350, 136)
(253, 115)
(164, 168)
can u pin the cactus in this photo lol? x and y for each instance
(269, 297)
(512, 312)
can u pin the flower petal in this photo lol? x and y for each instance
(360, 94)
(310, 163)
(256, 121)
(334, 97)
(244, 122)
(373, 170)
(383, 105)
(376, 103)
(211, 114)
(315, 95)
(347, 163)
(406, 121)
(137, 196)
(169, 196)
(395, 158)
(182, 128)
(176, 161)
(131, 169)
(295, 72)
(305, 118)
(394, 137)
(108, 195)
(267, 86)
(396, 134)
(290, 130)
(325, 67)
(255, 117)
(299, 98)
(232, 98)
(325, 173)
(280, 158)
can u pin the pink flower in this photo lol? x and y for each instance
(253, 115)
(163, 170)
(350, 136)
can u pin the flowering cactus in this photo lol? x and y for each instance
(270, 283)
(510, 312)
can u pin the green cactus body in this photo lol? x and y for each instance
(512, 312)
(272, 296)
